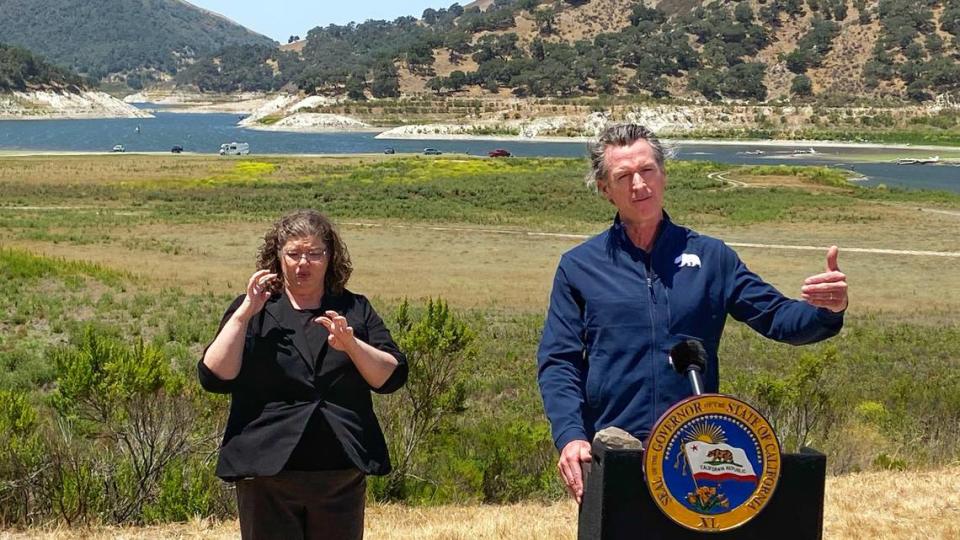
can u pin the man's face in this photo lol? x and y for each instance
(635, 183)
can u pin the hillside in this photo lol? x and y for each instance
(21, 70)
(31, 88)
(130, 41)
(836, 51)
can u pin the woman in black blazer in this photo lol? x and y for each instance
(300, 355)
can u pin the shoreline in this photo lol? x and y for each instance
(211, 157)
(88, 153)
(465, 137)
(84, 104)
(383, 132)
(669, 143)
(810, 143)
(282, 129)
(39, 118)
(786, 143)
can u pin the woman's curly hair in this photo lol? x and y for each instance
(305, 224)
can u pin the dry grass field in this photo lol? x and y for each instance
(470, 265)
(868, 506)
(475, 266)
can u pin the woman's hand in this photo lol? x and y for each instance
(257, 295)
(374, 365)
(341, 336)
(225, 355)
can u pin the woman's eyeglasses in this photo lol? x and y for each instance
(311, 256)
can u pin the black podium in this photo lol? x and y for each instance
(617, 505)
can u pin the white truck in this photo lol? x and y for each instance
(234, 149)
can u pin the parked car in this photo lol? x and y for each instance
(118, 148)
(499, 152)
(389, 150)
(234, 149)
(176, 149)
(431, 152)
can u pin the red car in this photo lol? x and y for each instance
(499, 152)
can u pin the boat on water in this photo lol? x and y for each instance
(917, 161)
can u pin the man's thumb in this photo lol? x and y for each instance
(832, 255)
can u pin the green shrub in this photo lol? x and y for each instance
(22, 460)
(185, 490)
(436, 344)
(799, 405)
(133, 409)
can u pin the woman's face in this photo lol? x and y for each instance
(304, 262)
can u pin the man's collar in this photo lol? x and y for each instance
(620, 233)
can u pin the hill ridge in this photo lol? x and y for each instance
(832, 50)
(120, 41)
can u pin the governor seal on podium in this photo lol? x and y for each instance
(712, 462)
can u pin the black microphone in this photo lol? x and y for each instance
(690, 357)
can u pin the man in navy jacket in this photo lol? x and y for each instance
(622, 299)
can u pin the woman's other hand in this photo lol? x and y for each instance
(341, 336)
(374, 365)
(224, 356)
(257, 294)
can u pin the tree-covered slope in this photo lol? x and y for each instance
(716, 50)
(21, 70)
(103, 37)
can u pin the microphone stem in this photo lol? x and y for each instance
(695, 382)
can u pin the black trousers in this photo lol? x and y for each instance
(304, 505)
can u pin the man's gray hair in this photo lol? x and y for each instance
(619, 135)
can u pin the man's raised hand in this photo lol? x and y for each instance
(829, 289)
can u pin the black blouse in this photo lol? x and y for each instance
(294, 391)
(318, 449)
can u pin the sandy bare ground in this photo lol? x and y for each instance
(896, 505)
(944, 212)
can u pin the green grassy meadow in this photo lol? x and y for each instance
(114, 271)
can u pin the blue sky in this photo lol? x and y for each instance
(282, 18)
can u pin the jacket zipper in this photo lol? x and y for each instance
(648, 267)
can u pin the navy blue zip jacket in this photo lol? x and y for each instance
(616, 311)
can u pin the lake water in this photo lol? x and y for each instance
(204, 133)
